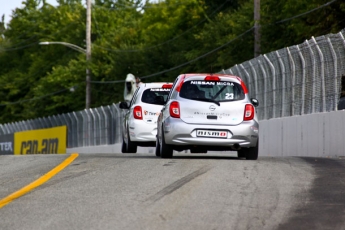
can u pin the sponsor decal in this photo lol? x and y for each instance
(41, 141)
(225, 83)
(205, 133)
(212, 83)
(202, 83)
(46, 146)
(151, 113)
(211, 113)
(160, 90)
(6, 144)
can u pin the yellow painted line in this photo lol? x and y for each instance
(39, 181)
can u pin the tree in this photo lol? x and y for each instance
(292, 22)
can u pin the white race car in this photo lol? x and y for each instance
(140, 119)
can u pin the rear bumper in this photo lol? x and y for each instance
(140, 131)
(179, 133)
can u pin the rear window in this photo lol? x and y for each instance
(212, 90)
(155, 95)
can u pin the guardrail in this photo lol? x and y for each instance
(89, 127)
(297, 80)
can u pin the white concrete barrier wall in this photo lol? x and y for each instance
(312, 135)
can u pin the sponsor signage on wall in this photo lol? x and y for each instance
(6, 144)
(41, 141)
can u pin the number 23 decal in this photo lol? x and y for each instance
(229, 96)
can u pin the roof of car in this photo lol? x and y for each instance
(188, 75)
(155, 84)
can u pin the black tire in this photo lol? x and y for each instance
(241, 154)
(252, 153)
(124, 146)
(165, 150)
(131, 146)
(158, 148)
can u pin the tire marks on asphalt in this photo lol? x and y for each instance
(178, 184)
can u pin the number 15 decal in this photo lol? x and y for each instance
(229, 96)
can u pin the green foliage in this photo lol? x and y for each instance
(306, 19)
(154, 40)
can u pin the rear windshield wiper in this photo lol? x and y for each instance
(219, 92)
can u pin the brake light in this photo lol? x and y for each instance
(211, 78)
(248, 112)
(174, 109)
(137, 112)
(167, 86)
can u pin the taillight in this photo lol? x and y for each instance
(211, 78)
(174, 109)
(248, 112)
(167, 86)
(137, 112)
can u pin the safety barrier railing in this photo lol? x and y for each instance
(296, 80)
(89, 127)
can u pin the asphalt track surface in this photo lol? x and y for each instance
(189, 191)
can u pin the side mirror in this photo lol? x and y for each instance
(254, 101)
(123, 105)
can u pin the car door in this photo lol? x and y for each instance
(165, 106)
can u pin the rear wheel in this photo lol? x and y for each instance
(131, 146)
(158, 150)
(165, 150)
(252, 153)
(241, 153)
(124, 146)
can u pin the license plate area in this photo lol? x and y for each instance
(211, 133)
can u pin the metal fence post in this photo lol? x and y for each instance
(303, 80)
(284, 88)
(293, 67)
(322, 63)
(255, 77)
(265, 89)
(313, 76)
